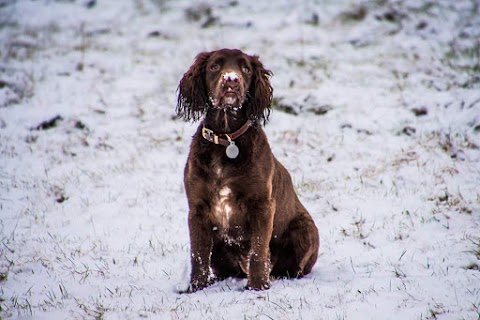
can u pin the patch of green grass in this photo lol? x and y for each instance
(465, 57)
(355, 14)
(278, 104)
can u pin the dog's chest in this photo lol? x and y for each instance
(228, 219)
(223, 206)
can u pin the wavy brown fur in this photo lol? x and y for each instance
(245, 219)
(193, 100)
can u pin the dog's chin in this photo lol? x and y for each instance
(228, 103)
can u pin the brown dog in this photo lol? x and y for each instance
(245, 219)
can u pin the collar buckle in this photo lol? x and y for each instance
(209, 135)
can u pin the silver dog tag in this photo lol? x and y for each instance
(232, 150)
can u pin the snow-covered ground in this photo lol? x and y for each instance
(377, 118)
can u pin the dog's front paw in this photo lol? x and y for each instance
(196, 285)
(258, 285)
(192, 288)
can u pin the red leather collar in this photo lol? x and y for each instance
(225, 139)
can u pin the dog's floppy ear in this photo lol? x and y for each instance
(261, 91)
(193, 97)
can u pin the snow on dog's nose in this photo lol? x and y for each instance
(230, 76)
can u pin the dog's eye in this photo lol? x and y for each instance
(214, 67)
(246, 70)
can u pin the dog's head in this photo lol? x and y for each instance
(226, 79)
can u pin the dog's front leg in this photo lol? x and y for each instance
(201, 243)
(262, 226)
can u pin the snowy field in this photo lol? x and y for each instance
(376, 116)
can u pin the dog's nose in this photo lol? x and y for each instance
(231, 77)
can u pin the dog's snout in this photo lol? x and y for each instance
(231, 77)
(231, 81)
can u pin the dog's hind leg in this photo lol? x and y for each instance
(296, 253)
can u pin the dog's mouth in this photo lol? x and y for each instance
(229, 91)
(229, 98)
